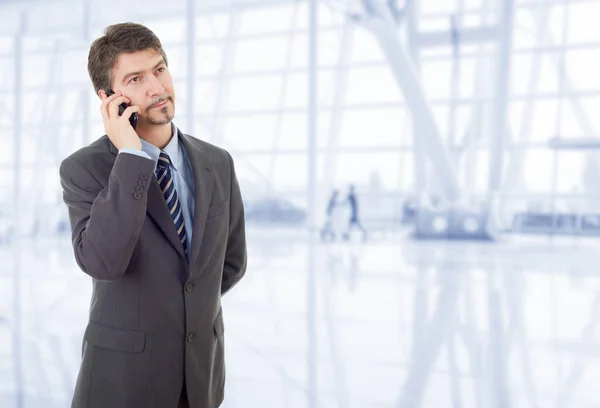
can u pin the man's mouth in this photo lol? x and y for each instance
(161, 104)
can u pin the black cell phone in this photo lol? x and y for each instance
(134, 116)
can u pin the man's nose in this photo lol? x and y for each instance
(155, 87)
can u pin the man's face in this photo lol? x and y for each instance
(144, 78)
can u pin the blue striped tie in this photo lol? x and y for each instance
(167, 186)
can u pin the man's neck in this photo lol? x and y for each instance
(158, 135)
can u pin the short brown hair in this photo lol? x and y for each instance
(118, 39)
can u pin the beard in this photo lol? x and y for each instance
(163, 116)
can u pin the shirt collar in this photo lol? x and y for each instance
(172, 149)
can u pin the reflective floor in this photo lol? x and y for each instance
(387, 323)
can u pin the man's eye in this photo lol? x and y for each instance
(135, 79)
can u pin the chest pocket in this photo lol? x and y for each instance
(217, 208)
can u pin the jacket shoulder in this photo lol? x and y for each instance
(97, 150)
(217, 154)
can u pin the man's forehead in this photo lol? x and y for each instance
(138, 60)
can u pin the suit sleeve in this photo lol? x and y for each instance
(236, 252)
(106, 220)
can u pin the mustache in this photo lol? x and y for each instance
(158, 101)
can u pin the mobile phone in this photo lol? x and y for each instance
(134, 116)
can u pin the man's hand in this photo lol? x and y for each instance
(117, 128)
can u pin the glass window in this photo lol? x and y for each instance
(373, 127)
(365, 47)
(582, 23)
(212, 25)
(571, 124)
(590, 106)
(209, 59)
(577, 170)
(437, 7)
(435, 78)
(177, 56)
(292, 131)
(537, 170)
(359, 168)
(328, 49)
(531, 73)
(330, 13)
(266, 19)
(533, 121)
(406, 171)
(277, 172)
(254, 93)
(72, 67)
(206, 95)
(7, 72)
(471, 76)
(169, 29)
(535, 27)
(7, 137)
(465, 122)
(250, 132)
(260, 54)
(6, 114)
(582, 68)
(35, 69)
(372, 85)
(50, 18)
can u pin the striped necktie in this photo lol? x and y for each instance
(167, 186)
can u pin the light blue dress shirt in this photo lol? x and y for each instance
(181, 169)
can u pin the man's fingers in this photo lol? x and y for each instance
(113, 106)
(106, 101)
(130, 110)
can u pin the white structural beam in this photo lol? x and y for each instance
(419, 163)
(311, 188)
(191, 66)
(228, 50)
(500, 106)
(575, 143)
(568, 88)
(474, 35)
(337, 111)
(86, 121)
(16, 234)
(517, 158)
(381, 24)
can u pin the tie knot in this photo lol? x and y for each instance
(163, 160)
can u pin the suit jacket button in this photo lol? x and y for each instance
(141, 183)
(137, 195)
(139, 189)
(144, 176)
(190, 337)
(189, 287)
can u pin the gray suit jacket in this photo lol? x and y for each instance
(155, 319)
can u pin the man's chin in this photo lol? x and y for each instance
(161, 119)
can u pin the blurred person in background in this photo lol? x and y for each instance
(158, 224)
(353, 221)
(328, 231)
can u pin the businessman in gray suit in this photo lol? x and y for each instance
(158, 224)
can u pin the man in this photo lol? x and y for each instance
(158, 223)
(353, 221)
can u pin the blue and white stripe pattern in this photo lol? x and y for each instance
(165, 181)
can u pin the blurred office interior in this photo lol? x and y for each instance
(421, 181)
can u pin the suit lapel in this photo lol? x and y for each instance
(204, 178)
(159, 212)
(203, 181)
